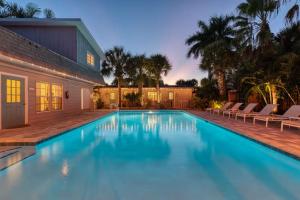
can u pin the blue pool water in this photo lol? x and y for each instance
(151, 156)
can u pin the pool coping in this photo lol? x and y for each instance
(291, 155)
(59, 133)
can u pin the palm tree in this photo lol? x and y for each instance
(31, 10)
(157, 66)
(136, 71)
(292, 15)
(258, 14)
(115, 64)
(214, 42)
(48, 13)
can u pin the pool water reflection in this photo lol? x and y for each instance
(157, 155)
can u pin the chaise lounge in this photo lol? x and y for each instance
(219, 110)
(293, 122)
(267, 110)
(292, 112)
(234, 109)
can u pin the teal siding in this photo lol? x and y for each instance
(83, 47)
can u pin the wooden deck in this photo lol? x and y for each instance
(287, 141)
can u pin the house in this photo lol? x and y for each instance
(48, 68)
(170, 96)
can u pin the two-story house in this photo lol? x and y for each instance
(48, 68)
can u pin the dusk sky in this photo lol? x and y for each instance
(147, 26)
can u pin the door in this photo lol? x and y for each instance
(13, 101)
(85, 98)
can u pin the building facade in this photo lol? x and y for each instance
(170, 96)
(48, 68)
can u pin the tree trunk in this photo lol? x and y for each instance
(141, 92)
(158, 92)
(221, 83)
(119, 93)
(274, 94)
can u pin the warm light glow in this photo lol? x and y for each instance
(65, 169)
(56, 97)
(152, 96)
(13, 91)
(90, 59)
(42, 96)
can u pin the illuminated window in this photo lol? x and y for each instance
(171, 95)
(56, 97)
(112, 96)
(13, 91)
(42, 96)
(90, 59)
(152, 96)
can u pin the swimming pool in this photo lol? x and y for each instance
(141, 155)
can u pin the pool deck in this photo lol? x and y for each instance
(287, 142)
(43, 130)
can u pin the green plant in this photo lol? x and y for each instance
(99, 104)
(199, 103)
(133, 99)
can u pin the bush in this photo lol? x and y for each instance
(199, 103)
(99, 104)
(133, 99)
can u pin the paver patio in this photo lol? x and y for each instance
(287, 142)
(43, 130)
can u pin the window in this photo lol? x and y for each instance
(112, 96)
(42, 97)
(56, 97)
(152, 96)
(90, 59)
(13, 91)
(171, 95)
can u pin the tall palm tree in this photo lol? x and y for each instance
(136, 71)
(214, 42)
(115, 64)
(48, 13)
(30, 10)
(258, 14)
(157, 66)
(292, 15)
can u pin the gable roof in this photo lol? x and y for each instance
(75, 22)
(18, 47)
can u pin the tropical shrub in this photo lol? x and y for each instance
(133, 99)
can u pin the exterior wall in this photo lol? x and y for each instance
(182, 96)
(72, 105)
(61, 40)
(83, 47)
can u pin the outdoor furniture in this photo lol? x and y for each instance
(224, 107)
(267, 110)
(292, 122)
(248, 109)
(292, 112)
(234, 108)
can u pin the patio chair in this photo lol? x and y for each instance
(248, 109)
(234, 108)
(224, 107)
(292, 122)
(292, 112)
(267, 110)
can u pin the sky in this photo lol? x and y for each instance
(148, 26)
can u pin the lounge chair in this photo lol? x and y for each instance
(267, 110)
(293, 122)
(292, 112)
(224, 107)
(234, 108)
